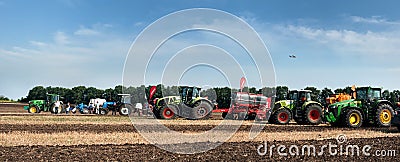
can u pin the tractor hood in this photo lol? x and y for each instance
(342, 103)
(285, 103)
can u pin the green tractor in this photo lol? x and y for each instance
(299, 107)
(189, 105)
(52, 104)
(368, 107)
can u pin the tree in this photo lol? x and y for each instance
(325, 93)
(281, 93)
(37, 93)
(386, 95)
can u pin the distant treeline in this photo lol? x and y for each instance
(220, 95)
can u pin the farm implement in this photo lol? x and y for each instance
(299, 107)
(248, 106)
(52, 104)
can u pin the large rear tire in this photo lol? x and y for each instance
(384, 115)
(202, 110)
(125, 109)
(168, 112)
(313, 114)
(282, 116)
(56, 110)
(353, 118)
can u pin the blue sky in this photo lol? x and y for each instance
(84, 42)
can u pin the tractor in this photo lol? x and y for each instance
(368, 107)
(125, 105)
(299, 107)
(52, 104)
(189, 105)
(248, 106)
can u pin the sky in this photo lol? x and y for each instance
(69, 43)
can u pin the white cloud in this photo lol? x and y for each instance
(373, 20)
(68, 60)
(61, 38)
(86, 31)
(348, 41)
(38, 44)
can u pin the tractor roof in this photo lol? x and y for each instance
(375, 88)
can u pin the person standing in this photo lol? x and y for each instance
(97, 107)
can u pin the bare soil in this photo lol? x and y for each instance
(231, 151)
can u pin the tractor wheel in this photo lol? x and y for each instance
(85, 111)
(313, 115)
(103, 112)
(384, 115)
(33, 109)
(56, 110)
(202, 110)
(125, 109)
(168, 112)
(353, 118)
(282, 116)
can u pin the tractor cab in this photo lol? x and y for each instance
(125, 98)
(299, 97)
(368, 94)
(188, 94)
(52, 98)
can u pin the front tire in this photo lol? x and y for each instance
(168, 112)
(384, 115)
(353, 118)
(282, 116)
(33, 109)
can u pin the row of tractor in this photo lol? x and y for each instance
(364, 106)
(96, 106)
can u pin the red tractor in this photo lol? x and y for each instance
(248, 106)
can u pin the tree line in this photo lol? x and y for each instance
(220, 95)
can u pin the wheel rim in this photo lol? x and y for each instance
(283, 117)
(314, 115)
(385, 116)
(354, 119)
(32, 109)
(168, 113)
(202, 111)
(124, 111)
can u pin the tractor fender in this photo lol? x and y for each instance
(311, 103)
(205, 100)
(345, 109)
(380, 102)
